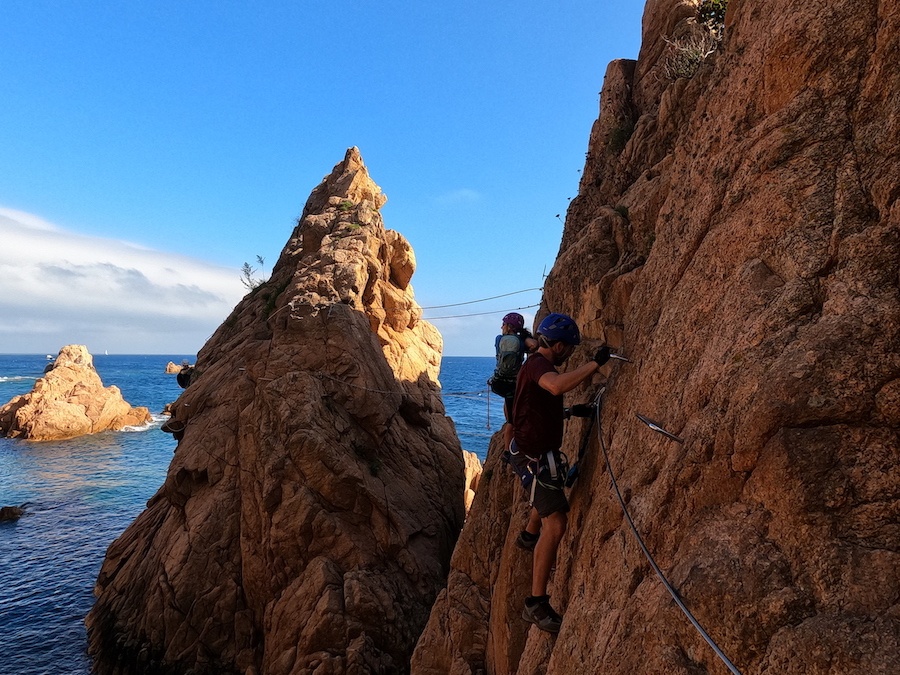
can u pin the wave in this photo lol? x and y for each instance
(16, 378)
(154, 423)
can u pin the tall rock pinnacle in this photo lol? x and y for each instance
(316, 492)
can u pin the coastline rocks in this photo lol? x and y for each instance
(68, 401)
(308, 516)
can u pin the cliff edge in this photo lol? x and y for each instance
(736, 235)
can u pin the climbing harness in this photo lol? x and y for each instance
(549, 470)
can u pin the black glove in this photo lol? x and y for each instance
(602, 355)
(582, 410)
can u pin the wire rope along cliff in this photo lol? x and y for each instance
(493, 297)
(640, 540)
(572, 478)
(460, 316)
(307, 519)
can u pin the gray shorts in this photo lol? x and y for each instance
(544, 491)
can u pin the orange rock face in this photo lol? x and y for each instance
(308, 516)
(69, 401)
(473, 476)
(741, 244)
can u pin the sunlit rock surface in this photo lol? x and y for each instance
(68, 401)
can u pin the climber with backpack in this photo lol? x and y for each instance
(534, 454)
(510, 346)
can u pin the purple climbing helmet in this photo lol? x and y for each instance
(515, 320)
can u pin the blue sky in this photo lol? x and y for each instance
(150, 148)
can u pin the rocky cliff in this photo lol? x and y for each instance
(68, 401)
(316, 492)
(737, 235)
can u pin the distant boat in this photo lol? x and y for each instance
(106, 352)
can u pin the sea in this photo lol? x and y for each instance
(82, 493)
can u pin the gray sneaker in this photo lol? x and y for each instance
(543, 616)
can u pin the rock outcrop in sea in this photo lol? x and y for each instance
(69, 401)
(736, 235)
(11, 512)
(308, 516)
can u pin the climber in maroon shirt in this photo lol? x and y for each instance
(538, 416)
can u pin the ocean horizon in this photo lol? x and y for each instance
(81, 494)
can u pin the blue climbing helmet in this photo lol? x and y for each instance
(560, 327)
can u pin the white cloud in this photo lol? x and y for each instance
(59, 287)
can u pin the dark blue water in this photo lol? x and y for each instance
(476, 413)
(82, 493)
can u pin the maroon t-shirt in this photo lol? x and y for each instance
(538, 415)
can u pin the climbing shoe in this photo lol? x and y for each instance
(526, 540)
(539, 612)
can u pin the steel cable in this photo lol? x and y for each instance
(665, 582)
